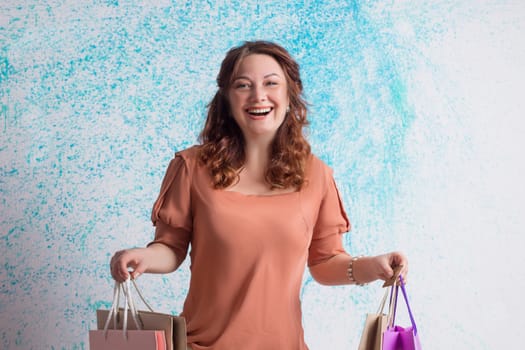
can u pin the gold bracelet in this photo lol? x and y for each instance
(351, 270)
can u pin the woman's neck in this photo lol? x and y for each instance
(256, 158)
(252, 176)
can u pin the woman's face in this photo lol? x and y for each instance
(258, 96)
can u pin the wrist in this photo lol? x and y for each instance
(356, 278)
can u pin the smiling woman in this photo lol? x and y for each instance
(248, 71)
(256, 207)
(259, 98)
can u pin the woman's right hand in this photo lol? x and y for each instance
(123, 261)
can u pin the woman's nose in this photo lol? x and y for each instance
(258, 93)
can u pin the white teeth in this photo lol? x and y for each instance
(259, 110)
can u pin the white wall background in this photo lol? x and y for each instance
(418, 107)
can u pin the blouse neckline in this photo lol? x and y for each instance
(255, 195)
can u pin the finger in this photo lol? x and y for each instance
(397, 259)
(138, 270)
(113, 266)
(116, 274)
(122, 269)
(135, 268)
(403, 263)
(389, 272)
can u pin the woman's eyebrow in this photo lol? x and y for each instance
(265, 77)
(241, 77)
(271, 74)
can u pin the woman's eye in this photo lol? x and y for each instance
(241, 85)
(272, 83)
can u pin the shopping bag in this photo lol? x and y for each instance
(375, 325)
(135, 340)
(173, 326)
(396, 337)
(148, 329)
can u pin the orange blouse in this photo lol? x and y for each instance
(248, 253)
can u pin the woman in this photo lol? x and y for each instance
(256, 207)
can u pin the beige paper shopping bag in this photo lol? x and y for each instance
(133, 340)
(375, 325)
(152, 329)
(173, 326)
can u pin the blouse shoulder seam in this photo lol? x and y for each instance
(189, 159)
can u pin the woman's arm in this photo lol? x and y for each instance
(156, 258)
(334, 271)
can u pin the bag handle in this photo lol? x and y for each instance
(382, 303)
(129, 305)
(141, 296)
(113, 310)
(408, 305)
(393, 293)
(394, 305)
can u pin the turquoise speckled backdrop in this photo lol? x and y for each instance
(417, 105)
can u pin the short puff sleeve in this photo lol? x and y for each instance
(332, 221)
(172, 215)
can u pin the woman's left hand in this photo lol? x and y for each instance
(386, 263)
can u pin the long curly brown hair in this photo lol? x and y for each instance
(222, 150)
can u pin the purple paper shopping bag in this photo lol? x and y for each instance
(397, 337)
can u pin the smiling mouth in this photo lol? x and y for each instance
(259, 112)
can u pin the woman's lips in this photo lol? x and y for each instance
(260, 111)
